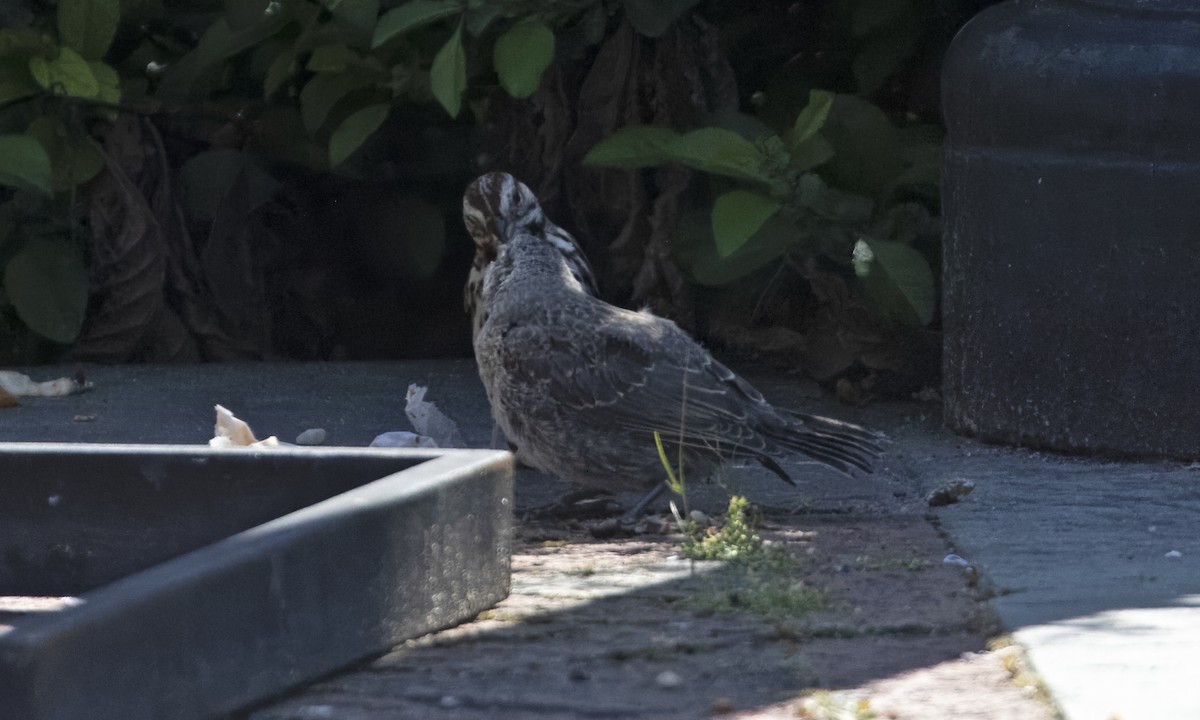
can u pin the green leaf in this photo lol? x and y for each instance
(866, 148)
(811, 153)
(652, 17)
(898, 278)
(354, 130)
(696, 250)
(15, 81)
(448, 74)
(281, 68)
(714, 150)
(812, 117)
(47, 283)
(24, 163)
(358, 17)
(323, 92)
(521, 55)
(332, 58)
(23, 43)
(108, 82)
(74, 157)
(199, 71)
(68, 74)
(478, 18)
(411, 15)
(632, 147)
(719, 151)
(88, 26)
(736, 216)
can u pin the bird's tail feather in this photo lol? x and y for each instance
(838, 444)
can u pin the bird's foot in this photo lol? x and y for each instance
(576, 505)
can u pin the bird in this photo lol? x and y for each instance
(497, 206)
(581, 386)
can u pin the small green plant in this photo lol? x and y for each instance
(736, 541)
(674, 481)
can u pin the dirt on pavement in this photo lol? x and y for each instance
(625, 628)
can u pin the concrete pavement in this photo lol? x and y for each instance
(1095, 565)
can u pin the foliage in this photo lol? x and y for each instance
(736, 541)
(96, 209)
(811, 189)
(324, 76)
(757, 576)
(52, 86)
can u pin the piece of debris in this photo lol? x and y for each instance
(431, 422)
(8, 400)
(232, 432)
(311, 436)
(1173, 555)
(956, 560)
(402, 439)
(19, 385)
(83, 418)
(668, 679)
(950, 493)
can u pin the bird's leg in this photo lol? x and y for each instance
(578, 504)
(627, 523)
(636, 511)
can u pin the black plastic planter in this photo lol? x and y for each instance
(207, 580)
(1071, 196)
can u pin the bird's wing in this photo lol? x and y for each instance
(641, 373)
(635, 371)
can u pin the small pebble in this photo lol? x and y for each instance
(668, 679)
(956, 560)
(1174, 555)
(311, 436)
(577, 675)
(402, 439)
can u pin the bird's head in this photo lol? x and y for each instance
(496, 206)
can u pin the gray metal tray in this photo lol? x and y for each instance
(207, 580)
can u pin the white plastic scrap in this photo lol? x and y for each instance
(233, 432)
(427, 420)
(1173, 555)
(22, 386)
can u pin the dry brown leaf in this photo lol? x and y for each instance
(128, 317)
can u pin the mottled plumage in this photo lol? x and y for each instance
(497, 206)
(580, 386)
